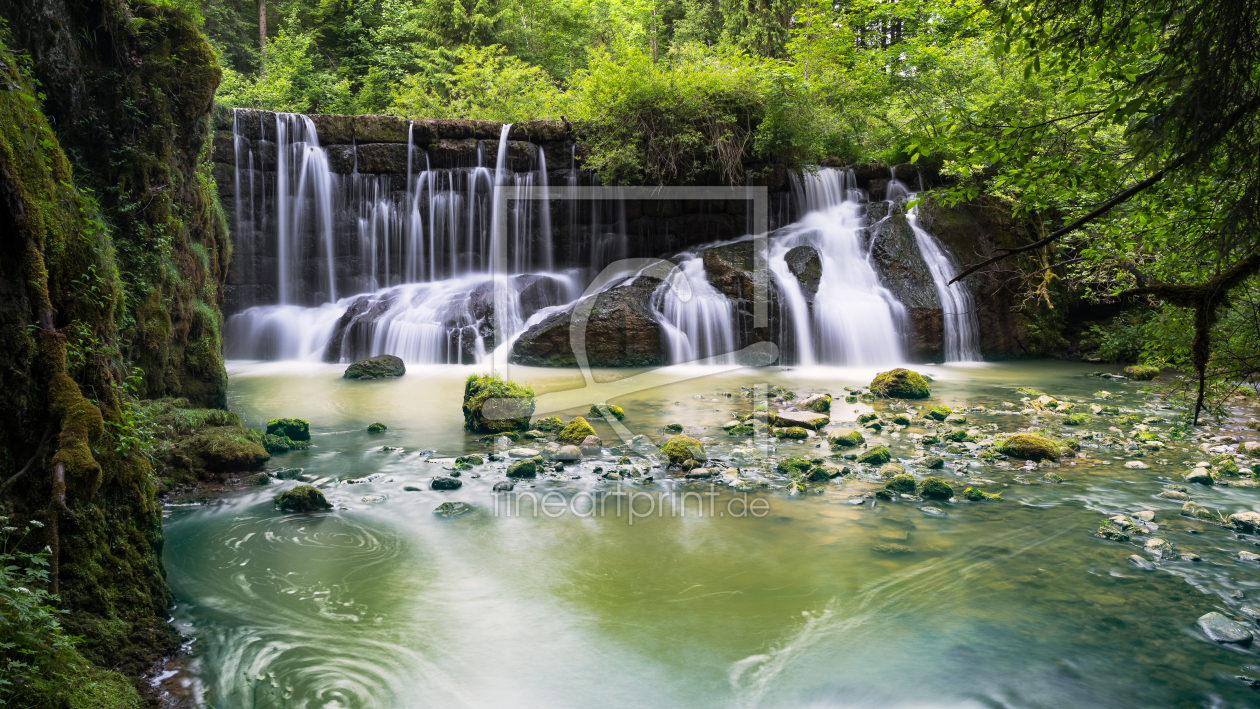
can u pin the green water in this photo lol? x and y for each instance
(382, 603)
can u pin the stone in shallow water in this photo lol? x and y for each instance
(1140, 562)
(1248, 556)
(568, 454)
(504, 486)
(932, 511)
(1158, 548)
(379, 367)
(445, 483)
(1219, 628)
(1246, 520)
(523, 452)
(453, 509)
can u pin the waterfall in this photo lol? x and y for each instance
(702, 327)
(958, 309)
(853, 320)
(962, 326)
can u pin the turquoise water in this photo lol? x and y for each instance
(382, 603)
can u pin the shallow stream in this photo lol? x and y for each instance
(707, 602)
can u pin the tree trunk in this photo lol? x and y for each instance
(262, 38)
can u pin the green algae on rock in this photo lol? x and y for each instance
(377, 427)
(900, 384)
(616, 411)
(840, 439)
(681, 449)
(379, 367)
(934, 488)
(303, 498)
(939, 412)
(576, 432)
(522, 469)
(550, 423)
(875, 456)
(901, 483)
(493, 404)
(293, 429)
(1142, 372)
(1030, 446)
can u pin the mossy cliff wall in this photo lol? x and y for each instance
(112, 257)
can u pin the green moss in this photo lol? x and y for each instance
(302, 498)
(934, 488)
(282, 444)
(616, 411)
(839, 439)
(875, 456)
(958, 436)
(377, 427)
(1076, 420)
(576, 432)
(522, 469)
(493, 404)
(793, 433)
(973, 495)
(472, 459)
(793, 467)
(680, 449)
(867, 418)
(550, 423)
(901, 420)
(295, 429)
(740, 430)
(901, 483)
(378, 367)
(1030, 446)
(900, 384)
(934, 463)
(1142, 372)
(939, 412)
(1025, 391)
(673, 428)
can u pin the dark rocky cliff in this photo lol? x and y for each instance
(114, 256)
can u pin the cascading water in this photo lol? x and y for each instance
(853, 320)
(958, 309)
(700, 327)
(441, 258)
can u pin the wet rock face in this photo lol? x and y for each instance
(621, 331)
(378, 367)
(804, 263)
(902, 270)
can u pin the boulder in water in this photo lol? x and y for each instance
(377, 427)
(1030, 446)
(591, 445)
(901, 483)
(841, 439)
(597, 411)
(294, 429)
(934, 488)
(550, 423)
(939, 412)
(523, 469)
(493, 404)
(568, 454)
(621, 331)
(803, 419)
(303, 498)
(875, 456)
(1142, 372)
(680, 449)
(221, 449)
(442, 482)
(1194, 509)
(819, 403)
(1247, 520)
(900, 384)
(378, 367)
(1220, 629)
(453, 509)
(576, 432)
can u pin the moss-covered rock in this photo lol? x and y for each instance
(550, 423)
(493, 404)
(939, 412)
(845, 439)
(900, 384)
(258, 479)
(1197, 511)
(971, 494)
(818, 403)
(795, 433)
(875, 456)
(282, 444)
(576, 432)
(523, 469)
(1142, 372)
(377, 427)
(934, 488)
(453, 509)
(901, 420)
(294, 429)
(793, 467)
(1076, 420)
(378, 367)
(934, 462)
(1030, 446)
(902, 483)
(303, 498)
(616, 411)
(222, 449)
(680, 449)
(672, 428)
(471, 459)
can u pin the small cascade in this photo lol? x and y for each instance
(701, 327)
(852, 320)
(958, 308)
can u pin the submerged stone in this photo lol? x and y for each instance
(379, 367)
(1220, 629)
(453, 509)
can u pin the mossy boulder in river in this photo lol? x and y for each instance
(493, 404)
(616, 411)
(378, 367)
(875, 456)
(903, 483)
(303, 498)
(804, 419)
(1030, 446)
(1142, 372)
(935, 489)
(939, 412)
(295, 429)
(793, 433)
(576, 432)
(680, 449)
(550, 423)
(900, 384)
(223, 449)
(843, 439)
(377, 427)
(523, 469)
